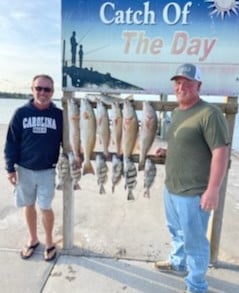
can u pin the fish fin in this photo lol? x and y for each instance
(116, 121)
(59, 186)
(141, 166)
(102, 189)
(136, 147)
(147, 193)
(119, 151)
(99, 121)
(107, 155)
(88, 169)
(78, 160)
(76, 186)
(130, 195)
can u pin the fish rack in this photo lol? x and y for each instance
(229, 108)
(137, 106)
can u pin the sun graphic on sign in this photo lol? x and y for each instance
(223, 7)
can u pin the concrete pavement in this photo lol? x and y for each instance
(115, 242)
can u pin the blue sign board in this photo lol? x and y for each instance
(135, 46)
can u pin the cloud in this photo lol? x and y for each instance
(30, 38)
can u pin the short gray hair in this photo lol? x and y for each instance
(43, 76)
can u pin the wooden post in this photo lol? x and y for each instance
(68, 193)
(163, 98)
(216, 221)
(68, 214)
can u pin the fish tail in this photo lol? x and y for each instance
(102, 189)
(88, 169)
(106, 155)
(76, 186)
(141, 165)
(59, 186)
(130, 195)
(147, 193)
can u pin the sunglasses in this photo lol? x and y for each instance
(45, 89)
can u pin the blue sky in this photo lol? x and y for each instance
(30, 33)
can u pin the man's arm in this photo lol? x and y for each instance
(219, 165)
(12, 177)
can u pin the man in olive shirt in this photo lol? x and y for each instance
(196, 163)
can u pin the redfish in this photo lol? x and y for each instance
(103, 127)
(130, 129)
(73, 112)
(88, 134)
(149, 125)
(117, 121)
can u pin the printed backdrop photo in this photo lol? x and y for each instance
(135, 46)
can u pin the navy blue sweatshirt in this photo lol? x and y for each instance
(34, 137)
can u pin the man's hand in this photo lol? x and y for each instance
(209, 199)
(219, 165)
(12, 177)
(160, 152)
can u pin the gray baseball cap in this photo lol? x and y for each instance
(188, 71)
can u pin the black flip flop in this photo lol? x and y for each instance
(28, 251)
(49, 250)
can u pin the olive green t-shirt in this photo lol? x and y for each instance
(192, 135)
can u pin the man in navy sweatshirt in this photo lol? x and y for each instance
(31, 152)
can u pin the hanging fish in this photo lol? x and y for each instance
(116, 127)
(73, 112)
(148, 130)
(103, 127)
(130, 129)
(101, 172)
(88, 134)
(117, 171)
(75, 171)
(149, 176)
(130, 174)
(62, 170)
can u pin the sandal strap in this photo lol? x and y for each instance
(50, 249)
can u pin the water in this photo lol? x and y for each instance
(8, 107)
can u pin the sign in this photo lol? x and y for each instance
(135, 46)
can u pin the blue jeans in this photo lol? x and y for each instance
(187, 224)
